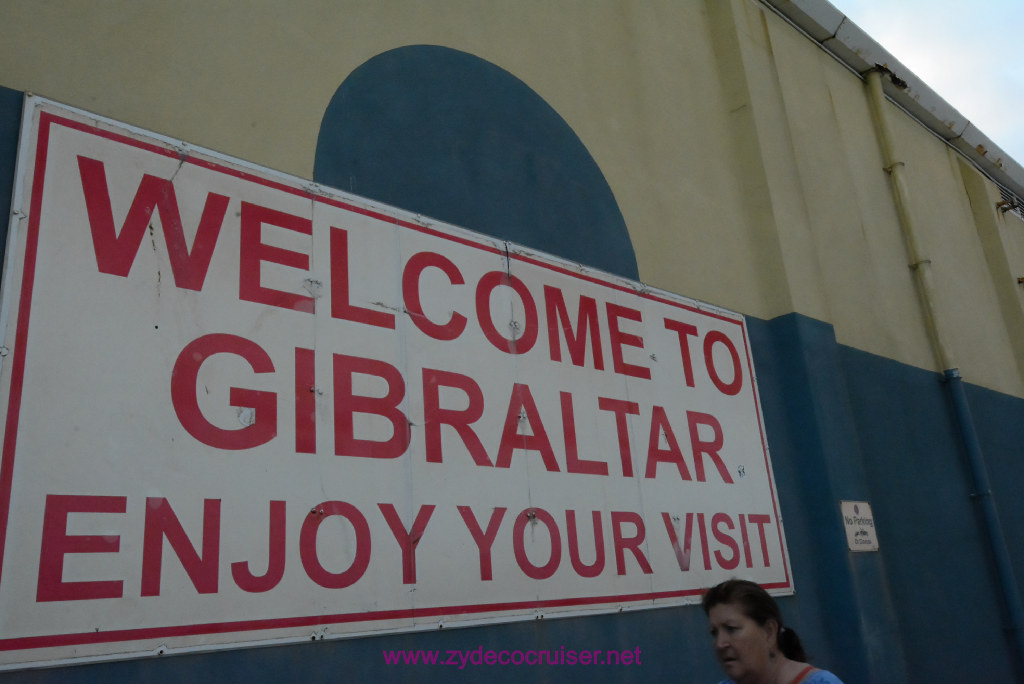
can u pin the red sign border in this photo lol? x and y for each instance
(46, 121)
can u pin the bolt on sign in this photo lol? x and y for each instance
(242, 409)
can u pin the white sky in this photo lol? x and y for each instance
(971, 52)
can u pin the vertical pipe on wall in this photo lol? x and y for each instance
(922, 267)
(990, 514)
(954, 382)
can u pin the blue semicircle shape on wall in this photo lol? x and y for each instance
(448, 135)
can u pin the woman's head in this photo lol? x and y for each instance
(747, 627)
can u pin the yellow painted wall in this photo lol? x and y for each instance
(744, 159)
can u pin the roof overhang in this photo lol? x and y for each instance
(839, 36)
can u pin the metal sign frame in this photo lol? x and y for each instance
(241, 408)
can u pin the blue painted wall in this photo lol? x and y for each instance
(939, 570)
(448, 135)
(841, 423)
(10, 124)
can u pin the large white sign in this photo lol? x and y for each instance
(240, 408)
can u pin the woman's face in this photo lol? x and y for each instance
(742, 646)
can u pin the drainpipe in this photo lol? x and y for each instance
(953, 381)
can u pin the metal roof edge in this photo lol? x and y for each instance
(838, 35)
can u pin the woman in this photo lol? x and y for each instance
(751, 643)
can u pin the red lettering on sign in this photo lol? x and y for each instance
(619, 338)
(115, 252)
(346, 404)
(702, 529)
(717, 521)
(240, 572)
(655, 454)
(684, 331)
(484, 538)
(407, 539)
(722, 528)
(682, 554)
(305, 401)
(57, 543)
(161, 523)
(623, 543)
(711, 448)
(748, 557)
(341, 306)
(528, 336)
(595, 568)
(411, 295)
(186, 406)
(621, 409)
(761, 521)
(573, 462)
(575, 341)
(736, 384)
(308, 551)
(533, 515)
(523, 409)
(434, 416)
(253, 252)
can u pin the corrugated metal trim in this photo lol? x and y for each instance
(835, 33)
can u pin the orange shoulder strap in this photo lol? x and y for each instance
(803, 674)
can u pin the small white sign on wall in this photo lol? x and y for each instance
(860, 525)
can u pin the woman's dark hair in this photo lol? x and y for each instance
(760, 607)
